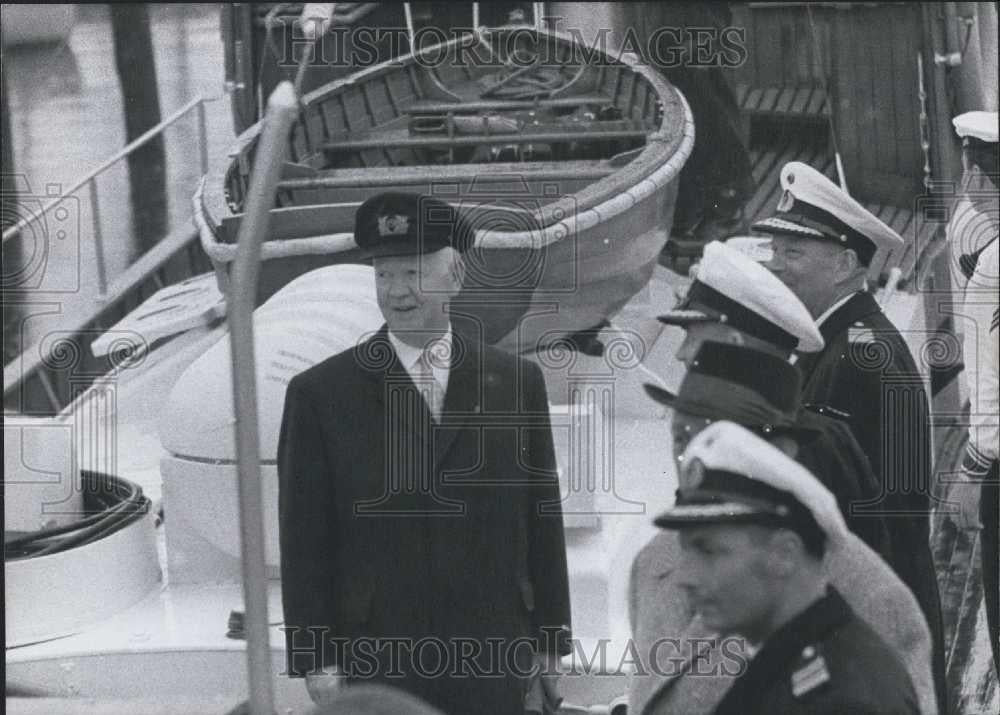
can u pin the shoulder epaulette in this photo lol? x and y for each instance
(811, 673)
(860, 333)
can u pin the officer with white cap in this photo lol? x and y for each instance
(981, 466)
(823, 243)
(818, 230)
(975, 215)
(754, 527)
(972, 235)
(733, 294)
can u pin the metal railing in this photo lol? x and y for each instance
(90, 181)
(32, 367)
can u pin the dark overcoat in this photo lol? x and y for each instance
(866, 370)
(829, 450)
(426, 552)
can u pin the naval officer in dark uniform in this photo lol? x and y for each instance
(823, 243)
(754, 527)
(420, 525)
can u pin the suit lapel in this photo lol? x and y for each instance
(393, 390)
(462, 398)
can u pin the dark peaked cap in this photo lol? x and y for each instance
(405, 224)
(733, 382)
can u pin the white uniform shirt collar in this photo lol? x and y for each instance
(409, 356)
(833, 308)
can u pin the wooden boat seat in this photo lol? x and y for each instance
(491, 105)
(401, 138)
(386, 177)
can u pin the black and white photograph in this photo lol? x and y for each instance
(450, 358)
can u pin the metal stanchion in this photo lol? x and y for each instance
(282, 108)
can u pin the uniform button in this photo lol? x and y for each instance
(808, 652)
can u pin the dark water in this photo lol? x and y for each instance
(67, 117)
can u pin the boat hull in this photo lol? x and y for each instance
(560, 244)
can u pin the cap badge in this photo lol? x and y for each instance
(786, 202)
(397, 225)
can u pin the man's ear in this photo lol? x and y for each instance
(784, 553)
(847, 265)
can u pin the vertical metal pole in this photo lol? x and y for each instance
(281, 111)
(202, 137)
(95, 216)
(410, 32)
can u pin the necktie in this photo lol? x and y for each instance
(429, 387)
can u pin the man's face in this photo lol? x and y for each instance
(697, 333)
(724, 571)
(808, 268)
(414, 292)
(683, 428)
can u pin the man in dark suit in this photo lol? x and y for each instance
(420, 523)
(754, 529)
(823, 243)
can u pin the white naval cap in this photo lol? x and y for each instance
(978, 125)
(812, 206)
(729, 474)
(734, 289)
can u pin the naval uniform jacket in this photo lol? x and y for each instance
(825, 661)
(866, 371)
(407, 544)
(684, 668)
